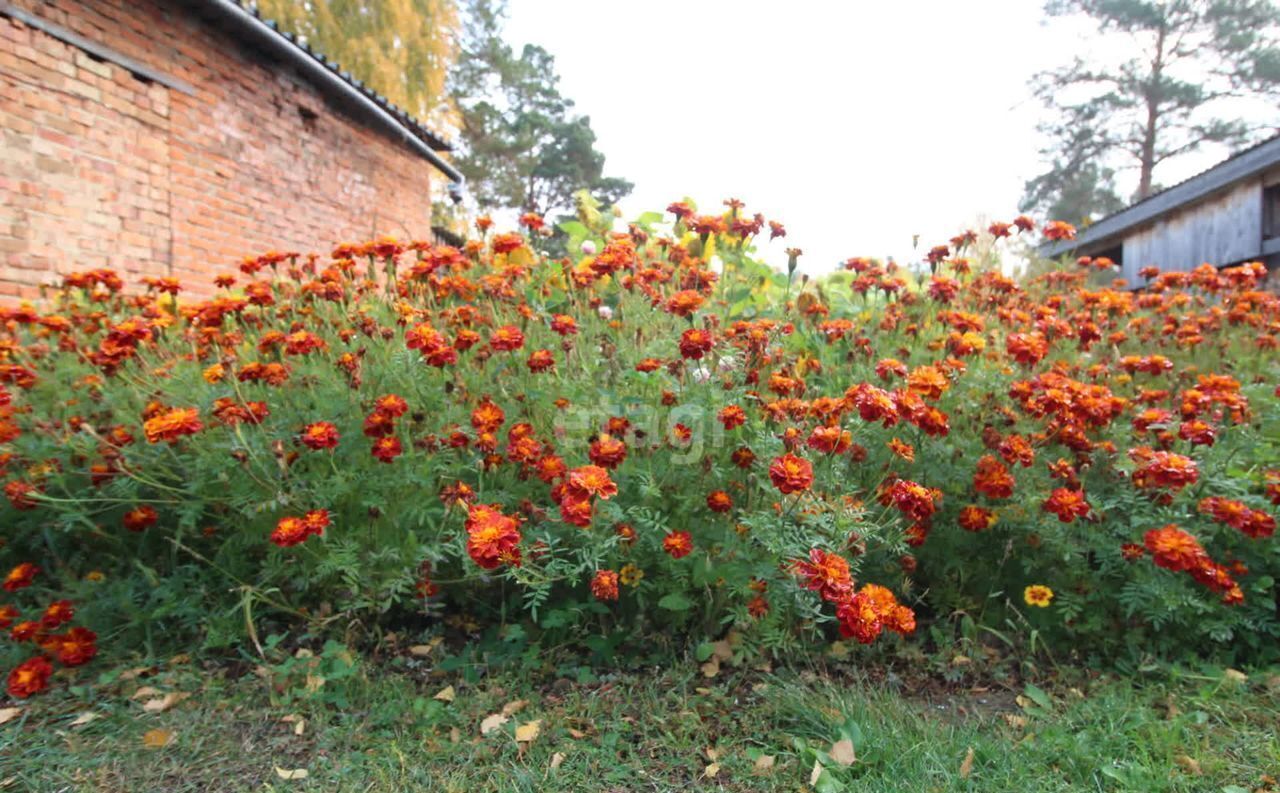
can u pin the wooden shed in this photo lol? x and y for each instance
(1228, 214)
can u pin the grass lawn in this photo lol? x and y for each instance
(394, 727)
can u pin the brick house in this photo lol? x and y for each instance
(174, 137)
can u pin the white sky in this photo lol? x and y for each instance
(856, 123)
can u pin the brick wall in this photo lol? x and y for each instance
(99, 168)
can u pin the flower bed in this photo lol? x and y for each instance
(656, 433)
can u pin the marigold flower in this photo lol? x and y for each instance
(30, 677)
(975, 518)
(719, 501)
(57, 613)
(678, 544)
(825, 573)
(492, 537)
(172, 425)
(992, 479)
(77, 646)
(604, 586)
(290, 531)
(1037, 595)
(140, 518)
(387, 448)
(791, 474)
(1174, 549)
(8, 613)
(564, 324)
(506, 338)
(20, 577)
(695, 343)
(319, 435)
(607, 451)
(732, 417)
(1161, 469)
(1066, 504)
(487, 417)
(541, 361)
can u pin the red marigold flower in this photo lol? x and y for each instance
(604, 586)
(607, 451)
(1174, 549)
(678, 544)
(1198, 432)
(25, 631)
(1066, 504)
(685, 303)
(575, 509)
(719, 501)
(913, 500)
(319, 435)
(873, 404)
(316, 521)
(1016, 449)
(506, 243)
(140, 518)
(78, 646)
(743, 457)
(541, 361)
(387, 448)
(487, 417)
(902, 449)
(492, 537)
(887, 368)
(550, 468)
(30, 677)
(20, 577)
(732, 417)
(564, 324)
(1059, 230)
(975, 518)
(172, 425)
(1163, 469)
(392, 405)
(825, 573)
(928, 381)
(791, 474)
(8, 613)
(695, 343)
(992, 479)
(1027, 348)
(58, 612)
(648, 365)
(506, 338)
(859, 618)
(19, 495)
(378, 424)
(290, 531)
(592, 480)
(830, 440)
(1131, 551)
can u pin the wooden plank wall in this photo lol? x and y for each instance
(1224, 229)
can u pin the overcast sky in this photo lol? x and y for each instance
(857, 124)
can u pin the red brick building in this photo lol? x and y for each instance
(173, 137)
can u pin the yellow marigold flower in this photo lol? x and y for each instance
(1038, 595)
(214, 374)
(95, 576)
(630, 575)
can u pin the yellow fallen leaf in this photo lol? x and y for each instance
(155, 739)
(455, 735)
(577, 735)
(296, 773)
(178, 660)
(529, 730)
(145, 691)
(712, 667)
(84, 718)
(764, 763)
(722, 650)
(710, 771)
(492, 722)
(314, 683)
(1235, 675)
(1189, 764)
(514, 707)
(161, 704)
(815, 773)
(130, 674)
(556, 760)
(298, 722)
(9, 714)
(1015, 721)
(842, 752)
(966, 765)
(421, 650)
(446, 694)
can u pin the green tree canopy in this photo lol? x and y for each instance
(1164, 78)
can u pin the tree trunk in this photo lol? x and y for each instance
(1148, 156)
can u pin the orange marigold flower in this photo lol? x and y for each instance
(506, 338)
(825, 573)
(992, 479)
(791, 474)
(20, 577)
(604, 586)
(685, 303)
(171, 425)
(30, 677)
(607, 451)
(1174, 549)
(290, 531)
(506, 243)
(592, 480)
(564, 324)
(913, 500)
(732, 417)
(695, 343)
(319, 435)
(1163, 469)
(387, 448)
(975, 518)
(829, 440)
(928, 381)
(8, 613)
(719, 501)
(859, 618)
(487, 417)
(1066, 504)
(140, 518)
(678, 544)
(58, 612)
(492, 537)
(77, 646)
(902, 449)
(541, 361)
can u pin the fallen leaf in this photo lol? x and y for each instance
(421, 650)
(577, 735)
(528, 731)
(764, 763)
(966, 765)
(710, 771)
(702, 691)
(299, 723)
(1016, 721)
(455, 735)
(297, 773)
(1189, 764)
(84, 718)
(556, 760)
(492, 722)
(155, 739)
(722, 650)
(130, 674)
(842, 752)
(1235, 675)
(179, 659)
(712, 667)
(514, 707)
(446, 694)
(145, 691)
(314, 683)
(712, 753)
(161, 704)
(815, 773)
(9, 714)
(961, 660)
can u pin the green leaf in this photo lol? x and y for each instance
(675, 602)
(1038, 696)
